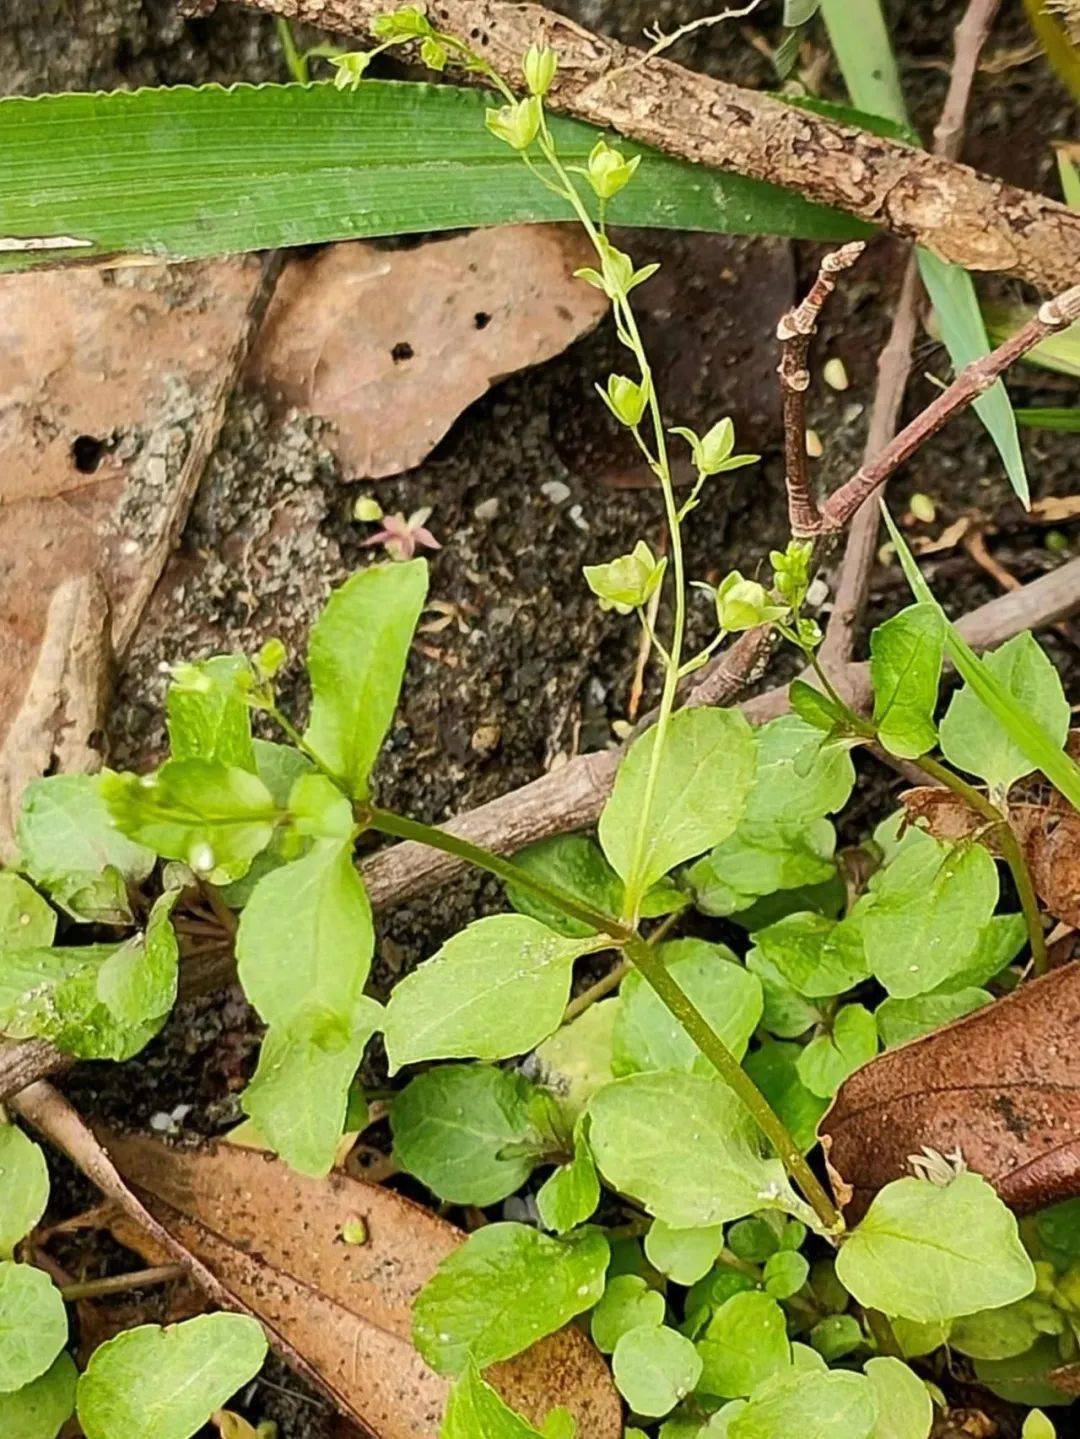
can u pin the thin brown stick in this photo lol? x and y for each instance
(795, 331)
(853, 581)
(894, 362)
(969, 37)
(974, 542)
(974, 380)
(123, 1283)
(968, 218)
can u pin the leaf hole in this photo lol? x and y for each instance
(401, 352)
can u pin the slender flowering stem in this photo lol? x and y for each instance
(387, 822)
(650, 965)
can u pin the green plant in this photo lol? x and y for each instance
(682, 1110)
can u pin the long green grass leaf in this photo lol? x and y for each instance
(860, 41)
(1051, 417)
(1029, 737)
(183, 173)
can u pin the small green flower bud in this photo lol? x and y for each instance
(923, 508)
(540, 66)
(742, 604)
(350, 68)
(626, 400)
(367, 510)
(519, 124)
(713, 451)
(408, 23)
(791, 572)
(629, 582)
(810, 633)
(354, 1231)
(609, 170)
(616, 276)
(270, 658)
(434, 53)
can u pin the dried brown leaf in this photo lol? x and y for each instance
(272, 1238)
(113, 387)
(1002, 1086)
(392, 345)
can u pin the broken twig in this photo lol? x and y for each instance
(795, 331)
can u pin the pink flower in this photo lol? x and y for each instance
(400, 536)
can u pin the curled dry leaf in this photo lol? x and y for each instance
(392, 345)
(273, 1239)
(1001, 1085)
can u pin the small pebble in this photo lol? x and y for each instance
(487, 509)
(818, 592)
(485, 738)
(836, 375)
(923, 508)
(555, 491)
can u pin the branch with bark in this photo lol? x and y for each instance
(795, 331)
(963, 216)
(894, 362)
(974, 380)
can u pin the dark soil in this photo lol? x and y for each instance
(522, 670)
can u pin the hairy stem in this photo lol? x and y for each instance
(387, 822)
(1010, 850)
(655, 973)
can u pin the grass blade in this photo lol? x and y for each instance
(956, 305)
(1045, 756)
(1051, 417)
(860, 40)
(182, 173)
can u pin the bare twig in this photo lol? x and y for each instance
(706, 22)
(974, 543)
(969, 37)
(963, 216)
(894, 363)
(795, 331)
(124, 1283)
(970, 383)
(46, 1109)
(853, 581)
